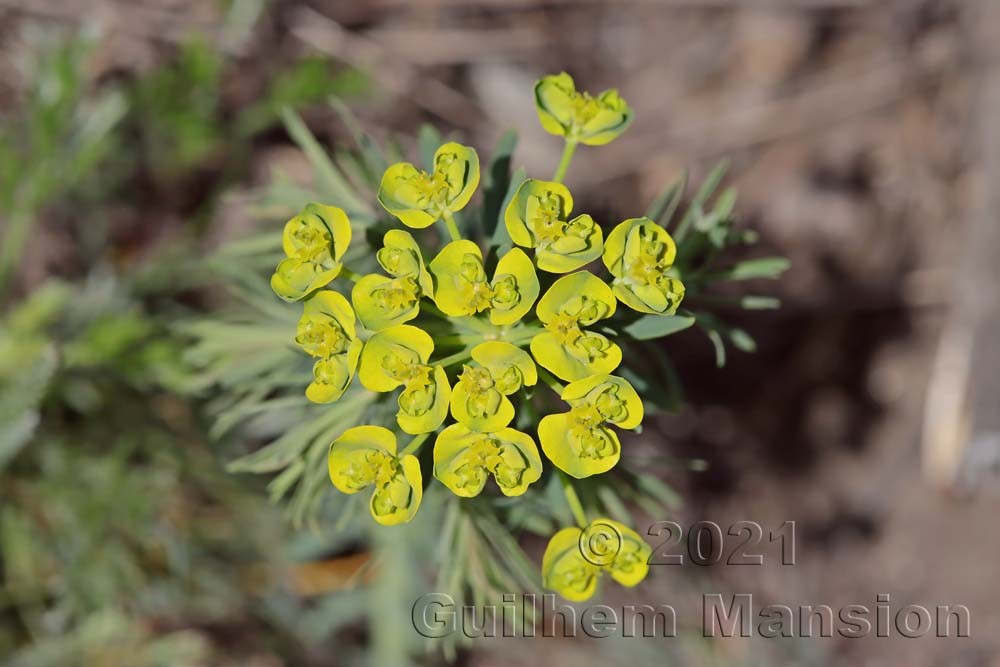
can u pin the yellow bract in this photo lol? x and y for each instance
(565, 348)
(366, 456)
(578, 116)
(461, 287)
(381, 301)
(538, 217)
(576, 558)
(580, 442)
(314, 242)
(419, 198)
(639, 254)
(397, 357)
(463, 459)
(326, 330)
(479, 398)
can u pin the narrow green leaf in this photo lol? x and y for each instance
(663, 207)
(657, 326)
(370, 152)
(327, 176)
(695, 209)
(428, 141)
(741, 340)
(500, 236)
(762, 268)
(496, 182)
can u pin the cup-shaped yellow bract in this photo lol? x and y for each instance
(538, 217)
(381, 301)
(314, 242)
(580, 442)
(366, 456)
(575, 559)
(397, 357)
(576, 115)
(479, 398)
(326, 330)
(565, 348)
(419, 198)
(639, 254)
(510, 366)
(400, 256)
(461, 287)
(464, 459)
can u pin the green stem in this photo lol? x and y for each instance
(449, 222)
(353, 276)
(567, 157)
(452, 359)
(573, 500)
(550, 380)
(414, 444)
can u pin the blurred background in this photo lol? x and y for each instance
(137, 136)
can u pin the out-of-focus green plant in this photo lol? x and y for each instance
(52, 143)
(248, 362)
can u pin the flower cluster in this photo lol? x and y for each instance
(465, 337)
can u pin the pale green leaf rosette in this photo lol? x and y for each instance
(640, 253)
(461, 286)
(565, 348)
(593, 121)
(575, 559)
(464, 459)
(314, 242)
(580, 442)
(538, 217)
(326, 330)
(418, 199)
(365, 456)
(397, 357)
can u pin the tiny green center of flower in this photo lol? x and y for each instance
(565, 327)
(398, 261)
(321, 336)
(405, 371)
(432, 189)
(547, 222)
(399, 295)
(610, 406)
(505, 295)
(311, 239)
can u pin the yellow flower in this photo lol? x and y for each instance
(538, 217)
(314, 242)
(464, 459)
(565, 348)
(397, 357)
(575, 559)
(461, 287)
(366, 456)
(580, 442)
(418, 198)
(639, 254)
(479, 398)
(400, 256)
(593, 121)
(381, 301)
(326, 330)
